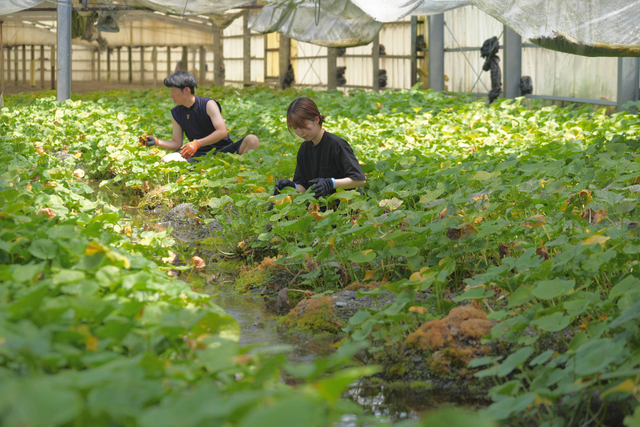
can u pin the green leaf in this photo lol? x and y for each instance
(362, 256)
(43, 249)
(515, 360)
(552, 323)
(629, 284)
(550, 289)
(28, 272)
(597, 356)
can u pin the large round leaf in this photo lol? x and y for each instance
(43, 249)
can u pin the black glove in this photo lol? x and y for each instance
(148, 140)
(322, 186)
(281, 184)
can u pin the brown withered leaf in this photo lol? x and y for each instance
(146, 186)
(198, 262)
(442, 214)
(467, 230)
(453, 234)
(542, 252)
(47, 211)
(503, 250)
(592, 216)
(535, 221)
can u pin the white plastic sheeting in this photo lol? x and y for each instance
(304, 21)
(589, 28)
(12, 6)
(188, 7)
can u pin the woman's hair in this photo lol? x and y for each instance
(302, 109)
(181, 79)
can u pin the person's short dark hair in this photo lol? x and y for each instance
(181, 79)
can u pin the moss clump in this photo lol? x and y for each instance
(229, 266)
(257, 276)
(453, 340)
(357, 286)
(315, 314)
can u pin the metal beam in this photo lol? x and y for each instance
(1, 61)
(628, 80)
(285, 57)
(203, 66)
(64, 50)
(436, 52)
(414, 52)
(512, 63)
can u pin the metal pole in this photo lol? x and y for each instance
(375, 57)
(414, 53)
(141, 65)
(332, 59)
(130, 65)
(246, 51)
(218, 56)
(628, 80)
(154, 53)
(265, 62)
(42, 66)
(119, 63)
(168, 60)
(1, 61)
(203, 72)
(15, 63)
(93, 65)
(53, 67)
(512, 63)
(99, 64)
(285, 57)
(436, 52)
(24, 65)
(32, 63)
(64, 50)
(184, 61)
(109, 65)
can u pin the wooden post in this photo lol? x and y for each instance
(42, 66)
(32, 67)
(53, 67)
(119, 63)
(109, 50)
(99, 64)
(285, 57)
(142, 65)
(265, 62)
(130, 65)
(218, 56)
(332, 68)
(246, 51)
(24, 65)
(203, 66)
(375, 55)
(168, 60)
(155, 66)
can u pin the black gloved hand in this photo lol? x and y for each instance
(281, 184)
(322, 186)
(148, 140)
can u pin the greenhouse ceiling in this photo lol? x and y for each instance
(594, 28)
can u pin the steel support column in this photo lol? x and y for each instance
(203, 66)
(1, 61)
(155, 66)
(64, 50)
(129, 51)
(375, 56)
(246, 51)
(42, 66)
(332, 68)
(512, 63)
(436, 52)
(628, 80)
(285, 57)
(141, 64)
(119, 63)
(414, 52)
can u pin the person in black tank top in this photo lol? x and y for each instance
(200, 119)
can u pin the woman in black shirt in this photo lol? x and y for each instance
(325, 161)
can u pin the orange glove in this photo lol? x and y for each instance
(190, 149)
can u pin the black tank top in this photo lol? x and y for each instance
(196, 124)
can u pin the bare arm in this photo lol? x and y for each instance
(218, 122)
(348, 183)
(176, 139)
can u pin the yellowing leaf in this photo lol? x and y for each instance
(627, 386)
(93, 248)
(368, 275)
(269, 178)
(592, 240)
(419, 310)
(240, 179)
(78, 173)
(92, 343)
(392, 204)
(198, 262)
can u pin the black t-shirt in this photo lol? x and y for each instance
(331, 158)
(196, 124)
